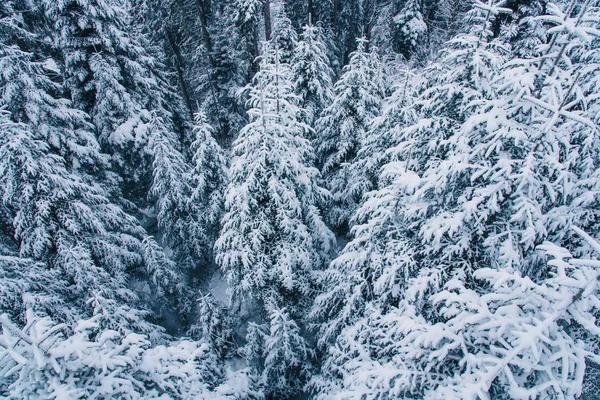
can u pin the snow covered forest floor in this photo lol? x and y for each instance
(293, 199)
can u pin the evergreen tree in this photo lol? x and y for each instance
(371, 273)
(342, 130)
(312, 76)
(190, 204)
(386, 132)
(112, 73)
(209, 54)
(247, 16)
(31, 88)
(58, 209)
(171, 191)
(213, 324)
(70, 225)
(368, 268)
(409, 29)
(254, 348)
(208, 181)
(273, 239)
(111, 76)
(349, 20)
(40, 361)
(286, 356)
(233, 69)
(284, 37)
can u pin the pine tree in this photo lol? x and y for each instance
(342, 129)
(376, 260)
(209, 55)
(273, 240)
(39, 360)
(349, 21)
(171, 191)
(112, 75)
(234, 68)
(58, 209)
(312, 76)
(71, 226)
(213, 324)
(31, 88)
(410, 31)
(372, 272)
(287, 357)
(254, 349)
(247, 16)
(208, 181)
(284, 37)
(189, 204)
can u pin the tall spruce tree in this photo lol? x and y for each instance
(56, 208)
(312, 75)
(273, 240)
(409, 29)
(284, 36)
(208, 182)
(342, 129)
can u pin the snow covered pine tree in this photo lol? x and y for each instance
(341, 131)
(273, 240)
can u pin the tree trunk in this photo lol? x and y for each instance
(267, 16)
(179, 66)
(370, 24)
(311, 12)
(205, 34)
(335, 16)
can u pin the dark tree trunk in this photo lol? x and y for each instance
(335, 16)
(202, 9)
(370, 24)
(267, 16)
(179, 66)
(310, 9)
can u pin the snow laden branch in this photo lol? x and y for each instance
(39, 360)
(512, 337)
(537, 335)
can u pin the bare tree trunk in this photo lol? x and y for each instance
(205, 34)
(179, 66)
(311, 12)
(267, 16)
(370, 24)
(254, 52)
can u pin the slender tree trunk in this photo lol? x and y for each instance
(335, 16)
(310, 11)
(370, 24)
(254, 52)
(179, 66)
(267, 16)
(202, 10)
(454, 22)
